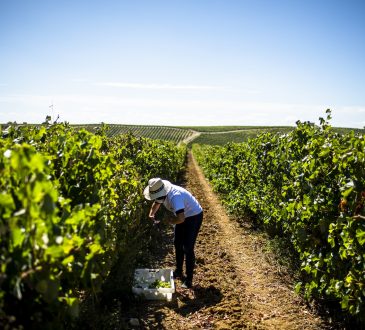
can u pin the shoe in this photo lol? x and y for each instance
(177, 274)
(186, 284)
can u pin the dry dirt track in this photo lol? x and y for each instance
(235, 287)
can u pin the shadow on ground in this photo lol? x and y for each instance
(185, 303)
(196, 299)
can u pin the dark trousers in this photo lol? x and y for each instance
(185, 235)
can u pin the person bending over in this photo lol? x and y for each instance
(188, 217)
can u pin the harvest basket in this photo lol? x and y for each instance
(144, 279)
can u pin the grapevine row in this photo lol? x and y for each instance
(72, 217)
(307, 185)
(154, 132)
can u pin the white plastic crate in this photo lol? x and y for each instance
(144, 277)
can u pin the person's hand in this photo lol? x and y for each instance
(153, 219)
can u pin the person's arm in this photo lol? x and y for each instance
(180, 218)
(154, 208)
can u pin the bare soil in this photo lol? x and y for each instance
(236, 286)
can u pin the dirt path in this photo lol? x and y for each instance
(235, 287)
(192, 137)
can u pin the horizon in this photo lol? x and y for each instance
(194, 63)
(238, 127)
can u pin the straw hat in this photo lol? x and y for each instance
(157, 188)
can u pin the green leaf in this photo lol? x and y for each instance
(347, 192)
(349, 279)
(325, 152)
(298, 287)
(18, 236)
(345, 302)
(360, 235)
(7, 204)
(54, 251)
(68, 260)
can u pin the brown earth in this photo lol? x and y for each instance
(236, 285)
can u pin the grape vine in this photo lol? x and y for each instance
(308, 185)
(71, 206)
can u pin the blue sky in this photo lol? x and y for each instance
(175, 62)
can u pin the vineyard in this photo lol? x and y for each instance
(153, 132)
(240, 135)
(308, 187)
(210, 135)
(72, 218)
(73, 222)
(221, 135)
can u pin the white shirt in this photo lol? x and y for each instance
(179, 198)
